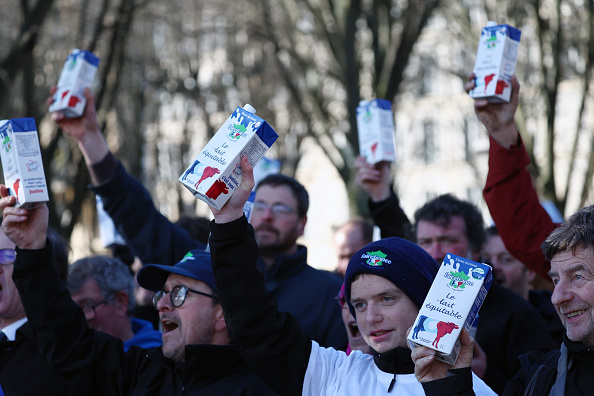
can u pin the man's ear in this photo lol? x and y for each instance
(302, 223)
(220, 323)
(121, 303)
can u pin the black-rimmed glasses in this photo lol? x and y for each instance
(276, 209)
(89, 308)
(178, 295)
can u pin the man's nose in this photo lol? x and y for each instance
(435, 250)
(561, 293)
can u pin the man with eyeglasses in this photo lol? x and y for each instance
(196, 357)
(103, 287)
(279, 217)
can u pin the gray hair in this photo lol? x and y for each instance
(576, 232)
(110, 274)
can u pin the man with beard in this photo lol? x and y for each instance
(279, 216)
(196, 358)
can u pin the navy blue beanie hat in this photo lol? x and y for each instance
(196, 265)
(402, 262)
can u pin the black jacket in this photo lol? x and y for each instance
(99, 361)
(24, 371)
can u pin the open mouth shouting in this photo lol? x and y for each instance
(168, 325)
(354, 330)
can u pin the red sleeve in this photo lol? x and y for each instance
(515, 208)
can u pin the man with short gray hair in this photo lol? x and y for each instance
(103, 287)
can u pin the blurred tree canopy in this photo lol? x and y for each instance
(171, 73)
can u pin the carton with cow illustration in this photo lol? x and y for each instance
(216, 172)
(495, 64)
(21, 162)
(78, 73)
(453, 303)
(375, 124)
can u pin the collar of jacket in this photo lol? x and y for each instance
(394, 361)
(285, 265)
(579, 351)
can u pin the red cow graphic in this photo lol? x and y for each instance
(209, 171)
(443, 328)
(73, 101)
(217, 188)
(501, 85)
(488, 80)
(15, 186)
(373, 148)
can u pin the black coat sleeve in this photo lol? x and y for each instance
(457, 383)
(61, 331)
(150, 235)
(271, 342)
(390, 218)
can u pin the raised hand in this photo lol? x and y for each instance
(498, 118)
(84, 129)
(427, 368)
(233, 209)
(373, 179)
(26, 228)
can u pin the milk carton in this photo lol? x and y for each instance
(216, 172)
(78, 73)
(375, 124)
(495, 64)
(21, 162)
(453, 303)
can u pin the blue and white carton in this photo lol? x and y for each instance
(375, 124)
(21, 162)
(77, 74)
(216, 172)
(453, 303)
(496, 59)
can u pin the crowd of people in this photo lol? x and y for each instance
(249, 316)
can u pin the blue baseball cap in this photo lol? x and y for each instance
(195, 265)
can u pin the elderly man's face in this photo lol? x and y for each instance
(191, 323)
(573, 296)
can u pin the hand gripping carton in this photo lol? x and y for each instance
(78, 73)
(21, 162)
(216, 172)
(495, 64)
(375, 124)
(453, 303)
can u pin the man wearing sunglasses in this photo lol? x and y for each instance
(196, 358)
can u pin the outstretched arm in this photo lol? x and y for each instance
(151, 236)
(510, 195)
(383, 203)
(272, 342)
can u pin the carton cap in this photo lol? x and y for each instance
(249, 108)
(491, 23)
